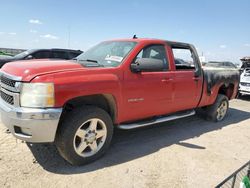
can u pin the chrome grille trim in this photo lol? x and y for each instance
(11, 77)
(10, 89)
(14, 95)
(9, 82)
(7, 98)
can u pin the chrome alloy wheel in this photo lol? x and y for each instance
(90, 137)
(222, 110)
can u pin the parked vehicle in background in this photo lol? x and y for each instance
(245, 63)
(244, 87)
(220, 64)
(42, 54)
(4, 57)
(4, 54)
(126, 83)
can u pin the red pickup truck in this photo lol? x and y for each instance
(126, 83)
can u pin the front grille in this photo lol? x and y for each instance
(7, 98)
(9, 89)
(7, 81)
(245, 84)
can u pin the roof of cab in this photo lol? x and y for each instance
(152, 40)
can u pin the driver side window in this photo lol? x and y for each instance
(154, 52)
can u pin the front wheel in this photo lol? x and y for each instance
(84, 135)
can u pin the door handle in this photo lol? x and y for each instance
(166, 80)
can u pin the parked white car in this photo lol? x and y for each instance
(245, 82)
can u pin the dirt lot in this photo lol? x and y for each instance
(185, 153)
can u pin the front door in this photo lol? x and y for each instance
(148, 94)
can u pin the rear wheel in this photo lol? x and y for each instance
(217, 111)
(84, 135)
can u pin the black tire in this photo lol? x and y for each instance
(211, 111)
(70, 123)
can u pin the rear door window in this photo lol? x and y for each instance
(184, 59)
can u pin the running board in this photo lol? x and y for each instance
(158, 120)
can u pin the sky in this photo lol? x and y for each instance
(220, 29)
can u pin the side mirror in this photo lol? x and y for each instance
(29, 57)
(147, 65)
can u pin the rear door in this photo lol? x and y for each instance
(187, 83)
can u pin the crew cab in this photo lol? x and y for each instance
(125, 83)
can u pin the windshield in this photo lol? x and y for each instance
(107, 54)
(23, 54)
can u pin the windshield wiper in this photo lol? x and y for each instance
(88, 60)
(91, 61)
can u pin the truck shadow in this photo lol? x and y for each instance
(133, 144)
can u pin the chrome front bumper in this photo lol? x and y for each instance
(29, 124)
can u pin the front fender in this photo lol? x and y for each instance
(69, 85)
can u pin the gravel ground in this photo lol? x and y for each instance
(190, 152)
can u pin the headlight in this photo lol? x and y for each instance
(37, 95)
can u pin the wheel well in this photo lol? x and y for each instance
(227, 90)
(103, 101)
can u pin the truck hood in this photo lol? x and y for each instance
(27, 70)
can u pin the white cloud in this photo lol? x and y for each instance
(33, 31)
(33, 21)
(49, 36)
(1, 33)
(223, 46)
(12, 33)
(247, 45)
